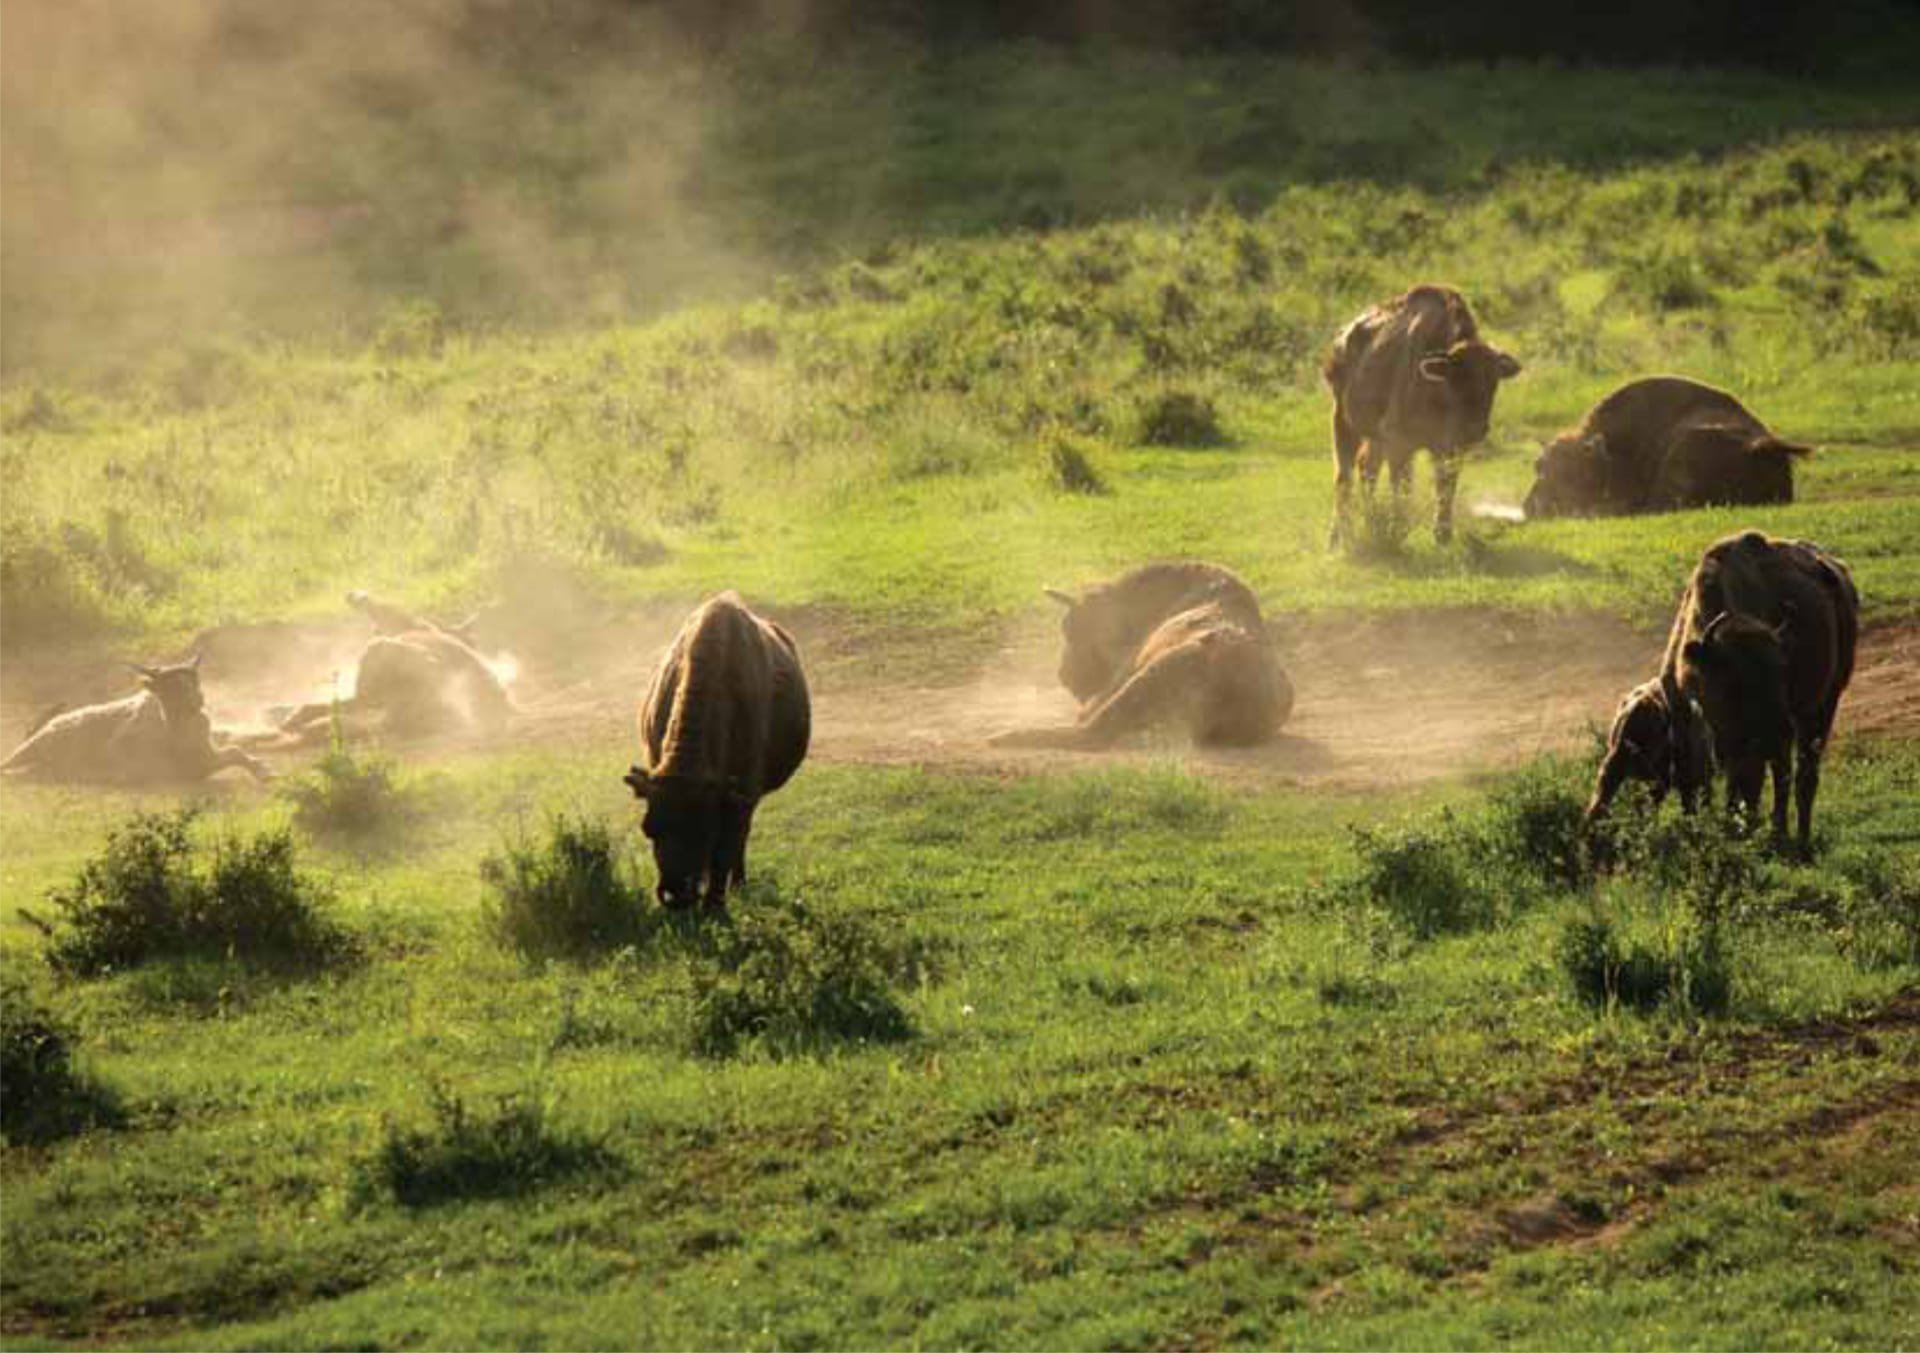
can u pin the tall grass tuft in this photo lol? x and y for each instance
(43, 1096)
(573, 895)
(347, 796)
(508, 1148)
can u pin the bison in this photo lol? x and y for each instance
(1661, 444)
(160, 733)
(1763, 645)
(1178, 642)
(725, 722)
(1410, 373)
(1647, 743)
(418, 677)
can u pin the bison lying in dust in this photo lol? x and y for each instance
(726, 721)
(1410, 373)
(416, 676)
(1167, 642)
(160, 733)
(1647, 744)
(1763, 646)
(1661, 444)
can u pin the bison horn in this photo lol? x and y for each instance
(148, 672)
(1713, 627)
(1066, 599)
(194, 661)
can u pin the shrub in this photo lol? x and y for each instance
(1684, 966)
(1420, 877)
(1664, 281)
(148, 896)
(1179, 418)
(572, 896)
(511, 1148)
(792, 979)
(1071, 470)
(42, 1096)
(1535, 826)
(346, 796)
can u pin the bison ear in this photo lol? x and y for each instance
(1066, 599)
(636, 780)
(1701, 653)
(1506, 365)
(1435, 368)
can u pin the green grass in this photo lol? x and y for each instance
(1156, 1091)
(878, 437)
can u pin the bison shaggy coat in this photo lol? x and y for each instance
(1410, 373)
(1763, 645)
(725, 721)
(1658, 445)
(1176, 642)
(1647, 743)
(160, 733)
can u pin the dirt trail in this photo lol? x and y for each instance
(1382, 700)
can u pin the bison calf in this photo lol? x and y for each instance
(1178, 642)
(1647, 743)
(1409, 373)
(725, 722)
(1764, 644)
(1658, 445)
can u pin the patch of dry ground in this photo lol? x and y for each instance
(1382, 700)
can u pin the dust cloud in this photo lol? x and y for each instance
(222, 168)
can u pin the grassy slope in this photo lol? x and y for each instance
(876, 435)
(1155, 1098)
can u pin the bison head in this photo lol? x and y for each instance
(685, 821)
(1466, 376)
(176, 687)
(1094, 643)
(1569, 478)
(1740, 671)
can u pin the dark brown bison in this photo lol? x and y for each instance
(160, 733)
(1661, 444)
(1407, 374)
(726, 721)
(1647, 743)
(1763, 644)
(1180, 642)
(415, 677)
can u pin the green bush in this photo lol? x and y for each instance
(510, 1148)
(1683, 966)
(150, 894)
(1422, 878)
(1535, 825)
(791, 979)
(1071, 470)
(1179, 418)
(573, 895)
(347, 796)
(42, 1096)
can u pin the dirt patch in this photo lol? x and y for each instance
(1383, 700)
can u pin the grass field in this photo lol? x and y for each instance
(1115, 1055)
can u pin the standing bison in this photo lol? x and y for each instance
(725, 722)
(160, 733)
(417, 677)
(1764, 645)
(1661, 444)
(1181, 642)
(1407, 374)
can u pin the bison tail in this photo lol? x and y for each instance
(1773, 446)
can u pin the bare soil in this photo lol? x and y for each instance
(1383, 700)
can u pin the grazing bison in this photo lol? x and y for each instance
(1647, 743)
(418, 677)
(1657, 445)
(1410, 373)
(159, 733)
(1166, 642)
(725, 722)
(1763, 644)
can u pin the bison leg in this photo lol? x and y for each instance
(1148, 696)
(1780, 767)
(727, 867)
(1346, 449)
(1446, 482)
(224, 757)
